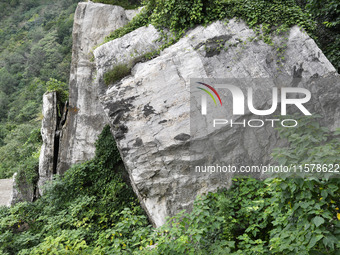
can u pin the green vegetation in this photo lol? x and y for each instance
(275, 216)
(319, 18)
(92, 211)
(117, 73)
(309, 143)
(126, 4)
(61, 89)
(21, 151)
(35, 56)
(88, 208)
(180, 15)
(326, 34)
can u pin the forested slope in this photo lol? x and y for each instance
(35, 47)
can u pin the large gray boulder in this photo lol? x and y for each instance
(85, 116)
(149, 110)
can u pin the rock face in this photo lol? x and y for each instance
(23, 191)
(85, 116)
(47, 159)
(153, 113)
(149, 110)
(5, 191)
(16, 195)
(70, 138)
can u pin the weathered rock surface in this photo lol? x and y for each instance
(22, 191)
(15, 195)
(149, 110)
(47, 158)
(86, 119)
(5, 191)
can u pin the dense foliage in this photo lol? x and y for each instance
(92, 211)
(83, 211)
(180, 15)
(326, 34)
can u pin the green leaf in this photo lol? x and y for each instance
(318, 221)
(314, 240)
(324, 193)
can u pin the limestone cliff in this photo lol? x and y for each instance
(86, 119)
(149, 110)
(71, 140)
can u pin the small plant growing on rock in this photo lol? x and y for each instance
(121, 70)
(117, 73)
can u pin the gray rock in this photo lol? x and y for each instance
(47, 158)
(124, 50)
(149, 110)
(22, 191)
(86, 119)
(6, 189)
(14, 197)
(130, 14)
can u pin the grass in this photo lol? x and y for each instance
(117, 73)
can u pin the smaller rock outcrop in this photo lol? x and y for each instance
(6, 188)
(15, 194)
(22, 190)
(47, 159)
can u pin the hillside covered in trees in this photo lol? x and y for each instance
(35, 54)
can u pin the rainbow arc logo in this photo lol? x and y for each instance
(209, 93)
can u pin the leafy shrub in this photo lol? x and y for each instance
(60, 87)
(327, 14)
(327, 10)
(89, 210)
(180, 15)
(255, 217)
